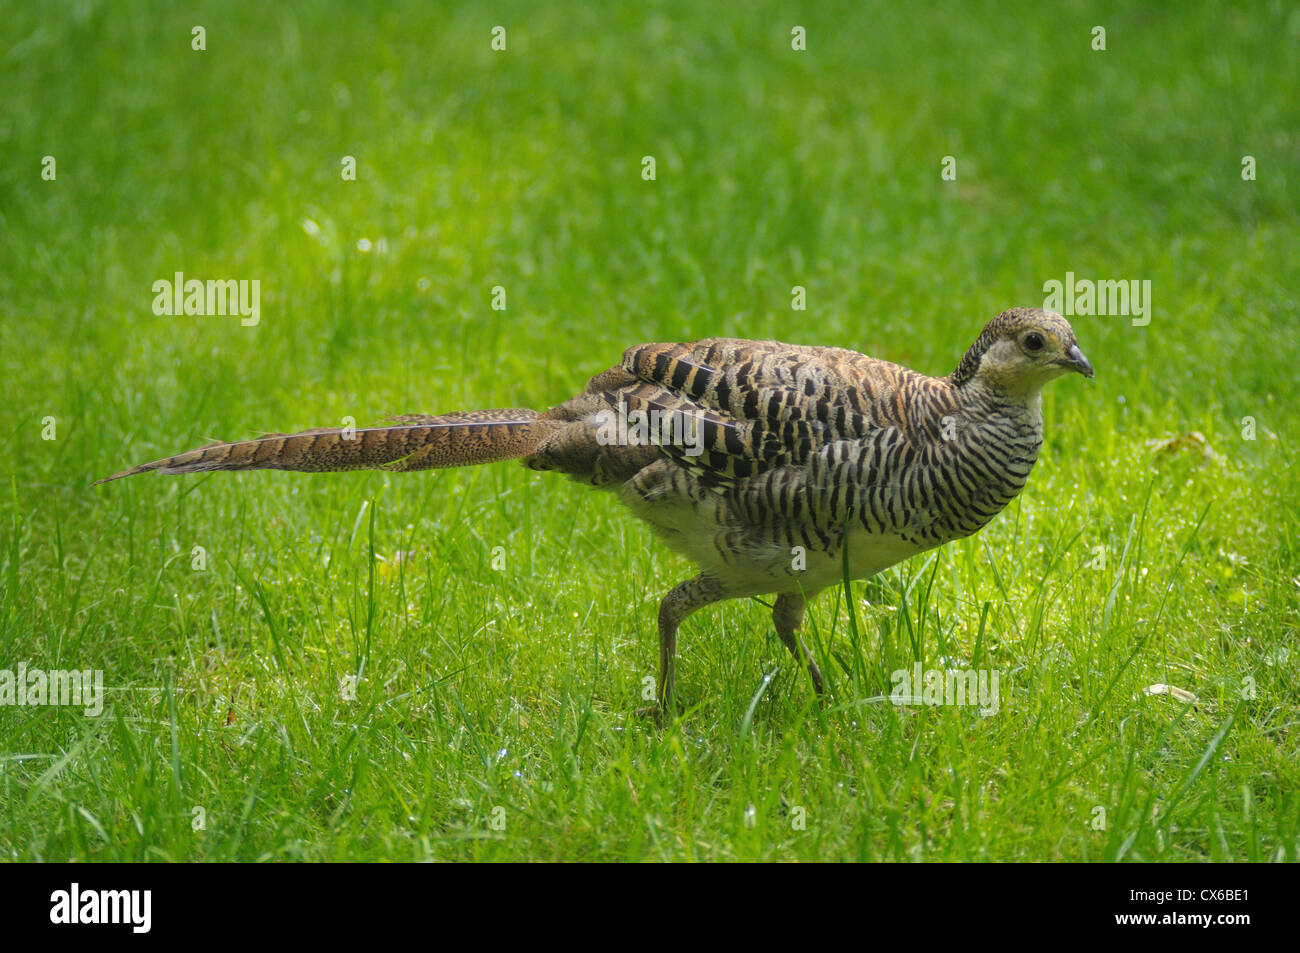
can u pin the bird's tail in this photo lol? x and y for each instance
(421, 442)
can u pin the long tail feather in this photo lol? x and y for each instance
(419, 442)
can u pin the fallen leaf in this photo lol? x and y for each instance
(1192, 442)
(1159, 688)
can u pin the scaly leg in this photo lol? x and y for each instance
(787, 616)
(684, 599)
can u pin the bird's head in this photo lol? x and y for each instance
(1021, 350)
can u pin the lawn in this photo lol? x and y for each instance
(445, 665)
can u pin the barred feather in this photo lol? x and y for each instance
(420, 442)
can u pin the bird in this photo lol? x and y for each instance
(777, 469)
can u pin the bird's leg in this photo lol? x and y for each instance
(684, 599)
(787, 616)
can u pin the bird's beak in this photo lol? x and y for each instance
(1075, 361)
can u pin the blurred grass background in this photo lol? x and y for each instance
(480, 688)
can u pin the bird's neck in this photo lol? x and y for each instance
(979, 398)
(1004, 429)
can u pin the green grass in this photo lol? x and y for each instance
(483, 688)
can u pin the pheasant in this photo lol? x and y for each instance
(757, 460)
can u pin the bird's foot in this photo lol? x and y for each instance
(653, 713)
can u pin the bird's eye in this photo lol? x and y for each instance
(1033, 342)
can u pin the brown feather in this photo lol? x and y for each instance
(422, 442)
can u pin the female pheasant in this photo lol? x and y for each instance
(759, 461)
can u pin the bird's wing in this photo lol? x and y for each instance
(761, 405)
